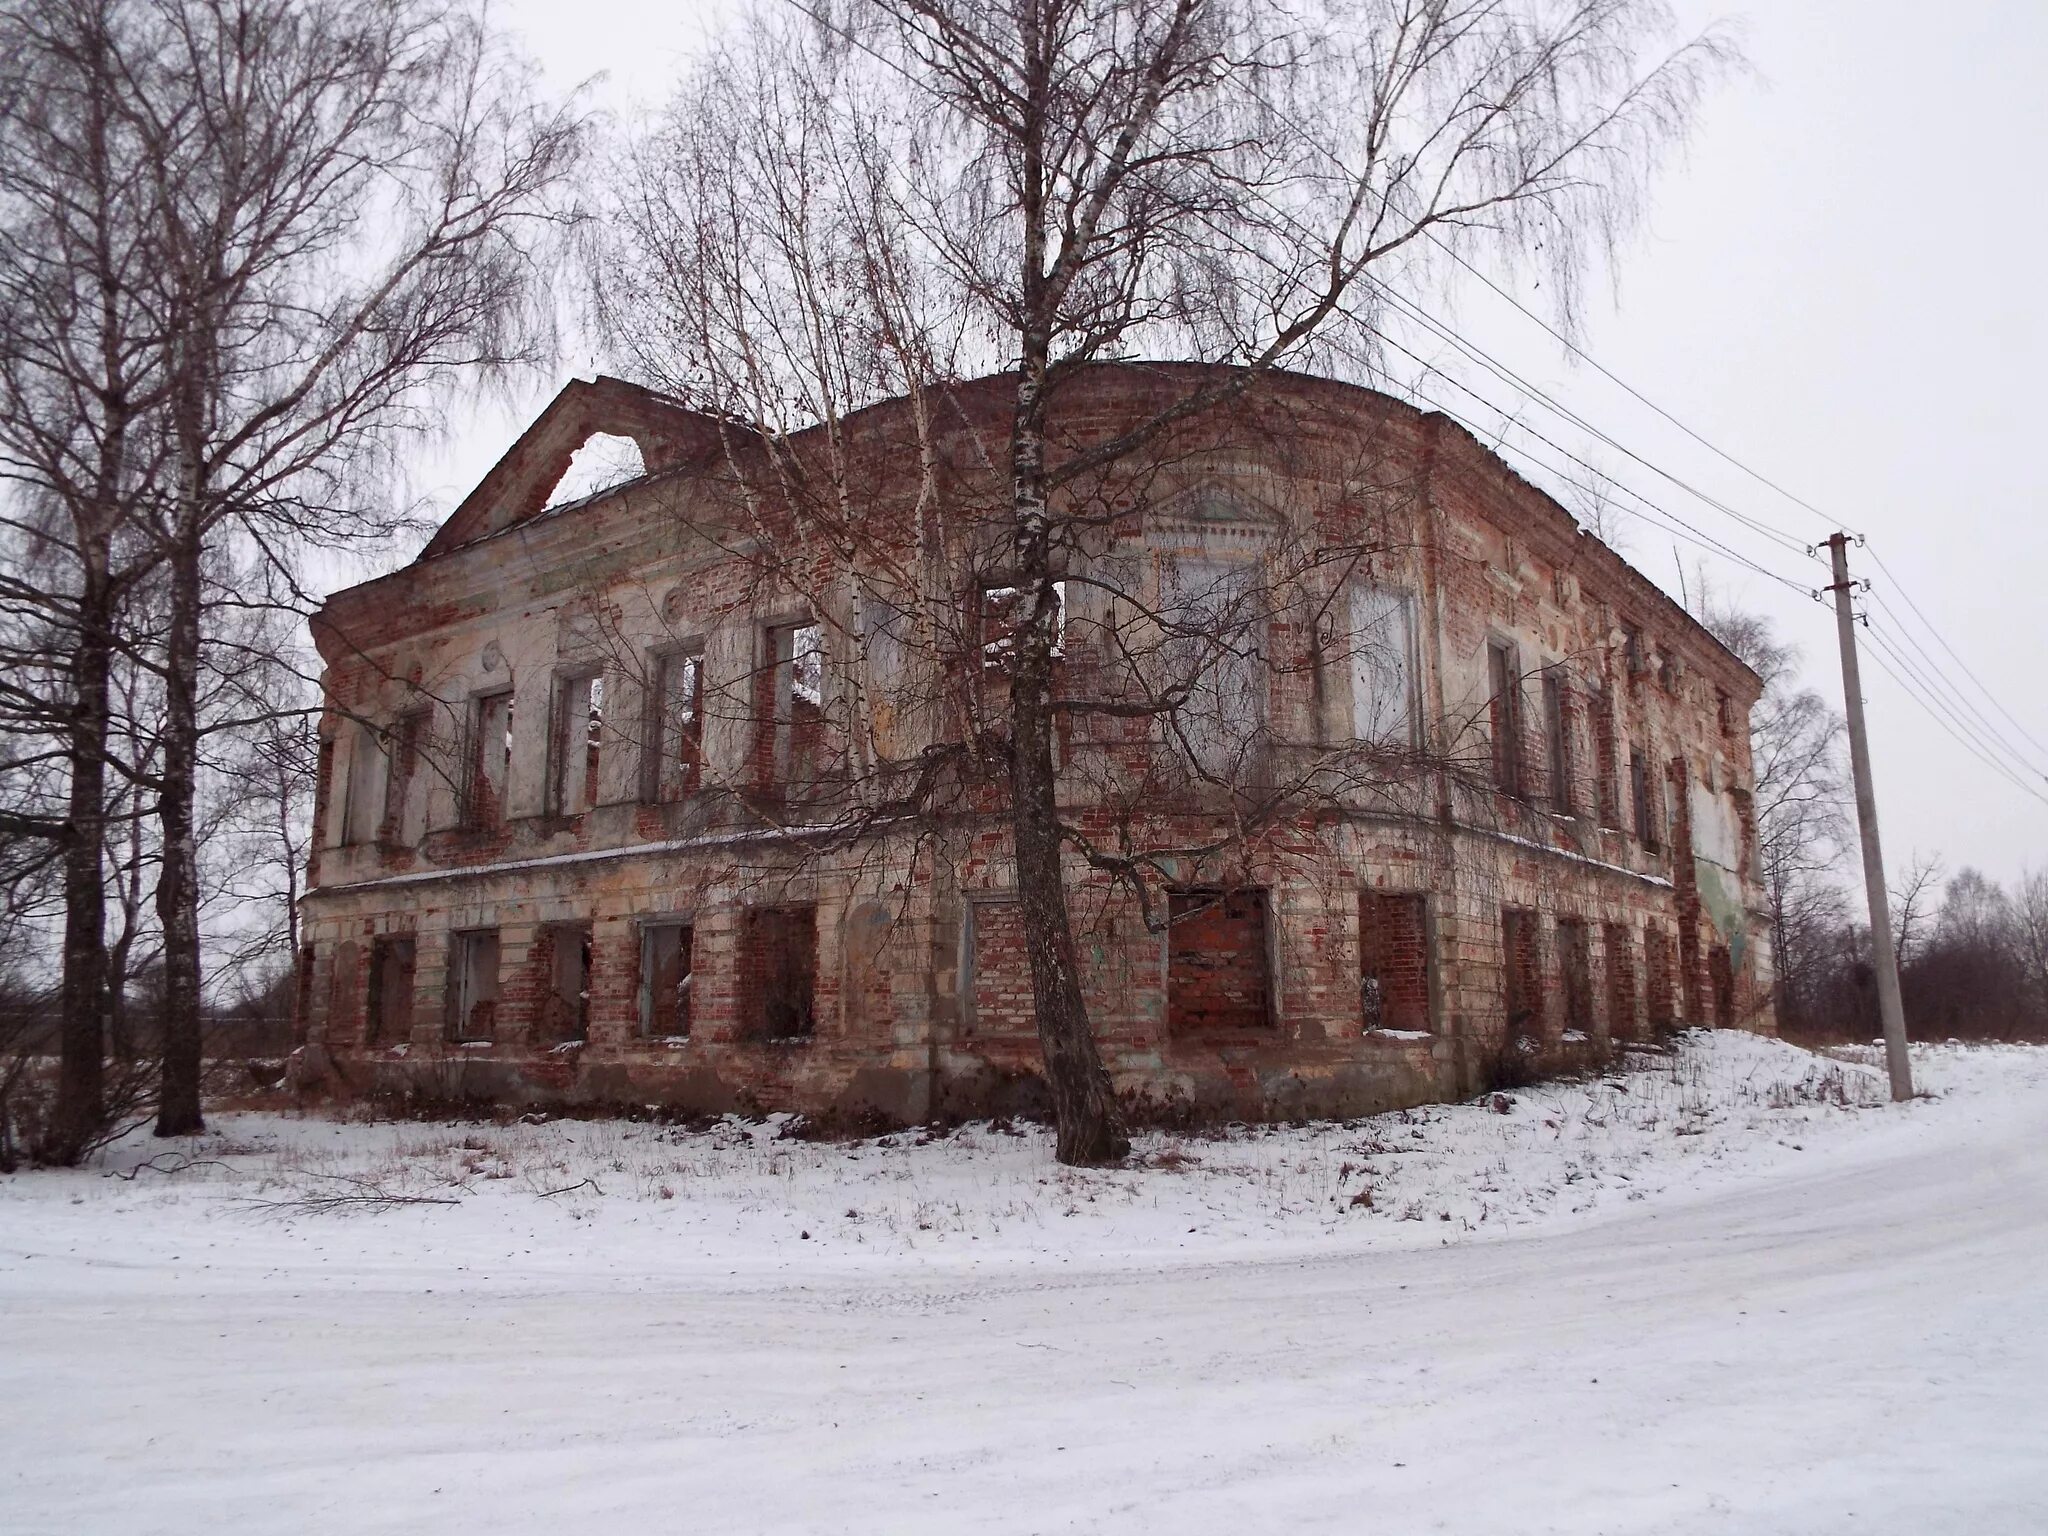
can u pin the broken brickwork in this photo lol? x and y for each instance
(576, 759)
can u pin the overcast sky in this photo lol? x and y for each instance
(1840, 286)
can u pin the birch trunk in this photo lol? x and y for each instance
(177, 892)
(81, 1075)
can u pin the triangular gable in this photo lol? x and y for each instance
(518, 485)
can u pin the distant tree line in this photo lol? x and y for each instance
(1973, 956)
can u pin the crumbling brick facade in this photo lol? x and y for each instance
(526, 769)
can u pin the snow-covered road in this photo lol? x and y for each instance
(1850, 1336)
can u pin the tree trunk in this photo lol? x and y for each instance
(177, 891)
(81, 1080)
(1090, 1129)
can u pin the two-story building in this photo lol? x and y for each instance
(668, 793)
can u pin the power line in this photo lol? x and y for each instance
(1943, 643)
(1507, 375)
(1930, 698)
(1579, 352)
(1929, 670)
(1656, 514)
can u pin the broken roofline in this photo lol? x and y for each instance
(675, 438)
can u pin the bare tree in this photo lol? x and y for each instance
(344, 204)
(1800, 807)
(1913, 897)
(81, 371)
(2030, 938)
(912, 191)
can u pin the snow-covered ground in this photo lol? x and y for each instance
(1729, 1290)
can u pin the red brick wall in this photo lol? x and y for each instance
(1218, 968)
(1657, 975)
(1575, 974)
(778, 972)
(1001, 970)
(1393, 950)
(1621, 980)
(1522, 975)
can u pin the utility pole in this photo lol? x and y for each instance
(1889, 1006)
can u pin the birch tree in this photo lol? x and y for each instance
(1032, 186)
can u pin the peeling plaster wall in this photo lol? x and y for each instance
(910, 1020)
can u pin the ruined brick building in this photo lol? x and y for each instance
(613, 800)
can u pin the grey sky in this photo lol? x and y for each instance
(1839, 285)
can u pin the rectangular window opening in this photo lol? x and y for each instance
(1218, 965)
(790, 699)
(1657, 976)
(367, 768)
(1641, 790)
(1607, 764)
(565, 1006)
(1621, 980)
(1003, 613)
(1522, 981)
(1505, 678)
(490, 758)
(392, 967)
(578, 742)
(1383, 666)
(779, 973)
(1394, 962)
(1557, 739)
(1575, 974)
(1215, 656)
(675, 735)
(1721, 973)
(473, 986)
(1000, 970)
(404, 767)
(667, 951)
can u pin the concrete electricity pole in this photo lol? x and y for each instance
(1888, 1004)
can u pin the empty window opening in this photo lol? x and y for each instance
(366, 769)
(392, 967)
(1721, 973)
(1621, 980)
(1383, 666)
(1218, 967)
(1004, 612)
(490, 758)
(1640, 792)
(1522, 980)
(666, 954)
(1557, 739)
(565, 962)
(1724, 712)
(1633, 656)
(1606, 758)
(1214, 660)
(1657, 976)
(578, 742)
(1000, 970)
(778, 973)
(473, 992)
(1575, 974)
(791, 694)
(404, 763)
(1394, 961)
(675, 734)
(1505, 708)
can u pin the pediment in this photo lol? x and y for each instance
(1213, 509)
(519, 485)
